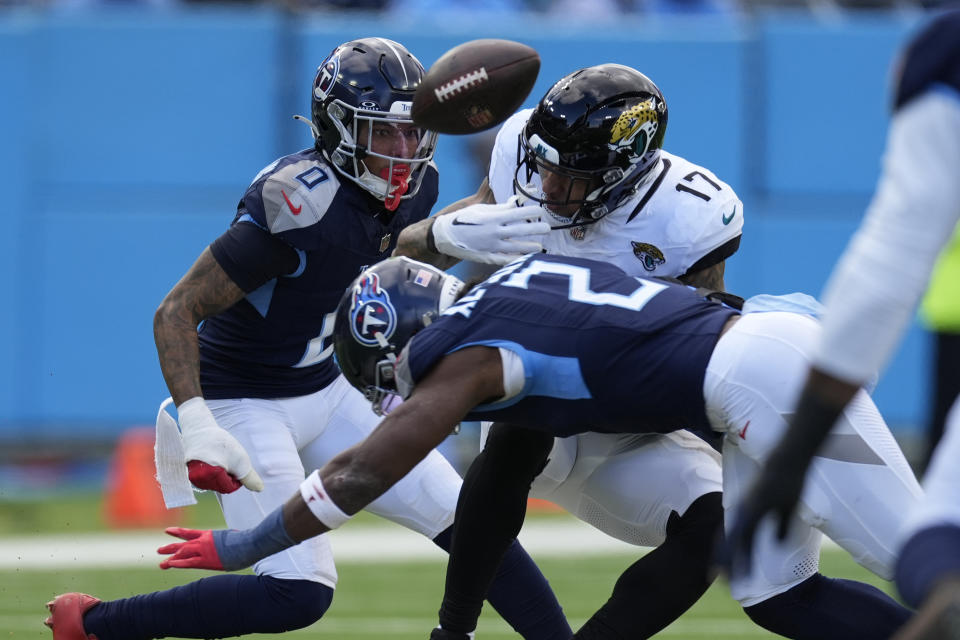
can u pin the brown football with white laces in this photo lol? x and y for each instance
(475, 86)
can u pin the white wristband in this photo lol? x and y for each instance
(320, 503)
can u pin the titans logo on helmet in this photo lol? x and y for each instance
(371, 312)
(327, 74)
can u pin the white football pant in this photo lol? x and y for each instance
(289, 437)
(859, 485)
(627, 485)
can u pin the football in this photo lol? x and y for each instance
(475, 86)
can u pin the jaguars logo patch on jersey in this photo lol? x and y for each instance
(650, 256)
(373, 318)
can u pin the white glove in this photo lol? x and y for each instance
(490, 233)
(215, 459)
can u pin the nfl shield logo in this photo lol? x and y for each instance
(577, 233)
(385, 242)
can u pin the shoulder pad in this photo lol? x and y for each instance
(298, 195)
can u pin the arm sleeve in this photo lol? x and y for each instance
(872, 293)
(490, 512)
(252, 256)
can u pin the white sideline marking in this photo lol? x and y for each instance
(380, 544)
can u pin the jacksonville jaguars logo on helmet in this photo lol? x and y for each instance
(371, 312)
(650, 256)
(636, 127)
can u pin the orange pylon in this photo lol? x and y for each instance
(133, 497)
(542, 506)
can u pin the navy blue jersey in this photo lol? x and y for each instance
(300, 236)
(931, 58)
(601, 351)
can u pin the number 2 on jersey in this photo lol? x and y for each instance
(579, 289)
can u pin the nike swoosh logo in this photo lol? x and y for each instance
(456, 221)
(743, 432)
(726, 219)
(296, 210)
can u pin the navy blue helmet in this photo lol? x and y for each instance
(379, 313)
(362, 83)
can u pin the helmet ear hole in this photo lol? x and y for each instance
(336, 111)
(613, 175)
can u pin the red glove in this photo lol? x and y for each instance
(198, 552)
(212, 478)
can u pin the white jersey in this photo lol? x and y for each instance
(682, 219)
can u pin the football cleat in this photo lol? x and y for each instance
(66, 616)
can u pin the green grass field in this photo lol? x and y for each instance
(384, 601)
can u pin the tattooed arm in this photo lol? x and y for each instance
(204, 290)
(214, 459)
